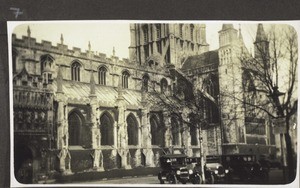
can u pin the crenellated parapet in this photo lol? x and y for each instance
(48, 47)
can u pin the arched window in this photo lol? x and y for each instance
(14, 61)
(159, 50)
(145, 32)
(157, 131)
(249, 94)
(75, 121)
(194, 129)
(176, 133)
(193, 133)
(107, 129)
(181, 30)
(75, 71)
(125, 76)
(212, 112)
(192, 32)
(102, 75)
(132, 130)
(163, 85)
(158, 31)
(146, 51)
(145, 84)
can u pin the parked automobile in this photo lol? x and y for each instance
(243, 166)
(220, 174)
(194, 163)
(173, 169)
(194, 167)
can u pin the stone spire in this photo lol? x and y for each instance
(28, 39)
(261, 44)
(114, 52)
(92, 84)
(28, 32)
(59, 81)
(90, 47)
(260, 34)
(61, 39)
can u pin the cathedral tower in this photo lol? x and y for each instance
(230, 80)
(159, 44)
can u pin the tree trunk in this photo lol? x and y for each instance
(290, 154)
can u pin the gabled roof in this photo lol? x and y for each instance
(197, 61)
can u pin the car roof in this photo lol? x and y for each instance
(173, 155)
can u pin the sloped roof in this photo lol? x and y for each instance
(197, 61)
(80, 92)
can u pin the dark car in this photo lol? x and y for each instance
(245, 167)
(219, 173)
(173, 169)
(195, 172)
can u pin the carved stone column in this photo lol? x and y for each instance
(122, 133)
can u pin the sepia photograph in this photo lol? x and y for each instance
(153, 103)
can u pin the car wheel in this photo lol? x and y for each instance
(172, 179)
(210, 179)
(197, 179)
(160, 178)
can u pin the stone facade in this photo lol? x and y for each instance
(79, 111)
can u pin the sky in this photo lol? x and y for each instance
(106, 35)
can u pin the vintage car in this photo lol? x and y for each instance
(244, 166)
(194, 164)
(220, 174)
(194, 167)
(173, 169)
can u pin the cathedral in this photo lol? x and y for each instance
(76, 111)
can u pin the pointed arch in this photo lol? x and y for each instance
(125, 77)
(157, 130)
(176, 129)
(75, 70)
(145, 82)
(107, 129)
(192, 31)
(102, 75)
(158, 31)
(181, 30)
(163, 85)
(75, 121)
(145, 29)
(132, 130)
(211, 84)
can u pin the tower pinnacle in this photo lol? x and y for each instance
(89, 46)
(61, 39)
(114, 52)
(260, 34)
(28, 32)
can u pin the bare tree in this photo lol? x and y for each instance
(274, 59)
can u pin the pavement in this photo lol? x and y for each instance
(275, 177)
